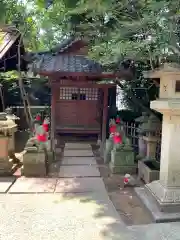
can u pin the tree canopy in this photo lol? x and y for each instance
(136, 34)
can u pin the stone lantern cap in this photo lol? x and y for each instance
(142, 118)
(152, 125)
(169, 75)
(7, 126)
(10, 115)
(166, 68)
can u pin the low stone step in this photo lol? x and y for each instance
(34, 185)
(78, 161)
(78, 146)
(78, 153)
(79, 171)
(80, 185)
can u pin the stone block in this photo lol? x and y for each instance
(152, 206)
(4, 143)
(34, 163)
(5, 164)
(131, 169)
(50, 157)
(146, 173)
(122, 161)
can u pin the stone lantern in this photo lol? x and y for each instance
(141, 143)
(153, 124)
(148, 167)
(7, 128)
(166, 191)
(11, 118)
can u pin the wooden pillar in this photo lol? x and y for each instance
(52, 119)
(104, 120)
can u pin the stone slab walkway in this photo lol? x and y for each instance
(73, 217)
(73, 209)
(34, 185)
(78, 153)
(79, 161)
(56, 216)
(80, 185)
(81, 146)
(56, 185)
(5, 183)
(79, 171)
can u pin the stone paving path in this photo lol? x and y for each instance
(75, 206)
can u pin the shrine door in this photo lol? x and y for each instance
(78, 109)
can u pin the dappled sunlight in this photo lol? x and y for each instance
(93, 206)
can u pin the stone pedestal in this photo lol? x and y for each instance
(5, 164)
(148, 169)
(142, 120)
(108, 149)
(165, 193)
(34, 163)
(167, 189)
(141, 147)
(151, 143)
(122, 160)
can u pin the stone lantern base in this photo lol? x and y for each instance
(163, 203)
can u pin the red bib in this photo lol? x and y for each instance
(46, 127)
(117, 139)
(41, 138)
(112, 129)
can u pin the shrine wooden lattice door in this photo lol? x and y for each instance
(78, 109)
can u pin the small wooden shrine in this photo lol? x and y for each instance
(11, 45)
(79, 103)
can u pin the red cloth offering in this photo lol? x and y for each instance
(42, 138)
(38, 118)
(46, 127)
(118, 120)
(126, 180)
(117, 139)
(112, 129)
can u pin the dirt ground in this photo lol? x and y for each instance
(125, 200)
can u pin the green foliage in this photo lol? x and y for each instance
(128, 116)
(146, 32)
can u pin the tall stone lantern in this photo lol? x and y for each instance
(11, 118)
(166, 191)
(7, 128)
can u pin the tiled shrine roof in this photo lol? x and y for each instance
(65, 63)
